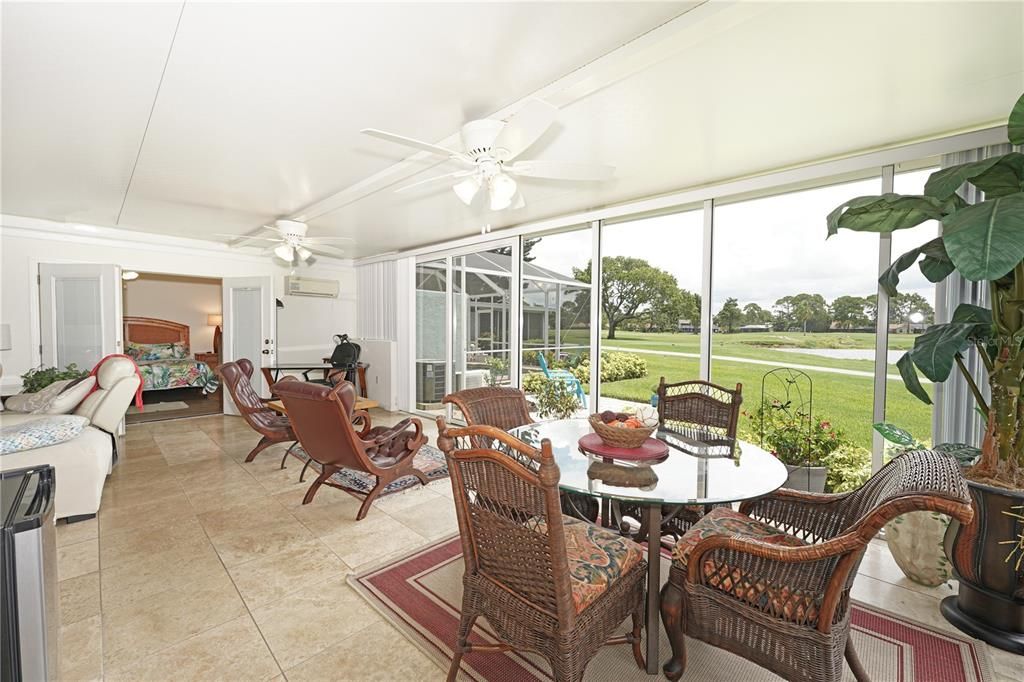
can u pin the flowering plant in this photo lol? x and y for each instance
(796, 437)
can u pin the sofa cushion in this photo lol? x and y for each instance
(40, 433)
(37, 402)
(70, 397)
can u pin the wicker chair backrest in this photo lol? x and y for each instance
(500, 406)
(507, 502)
(700, 404)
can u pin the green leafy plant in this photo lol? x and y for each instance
(849, 467)
(983, 242)
(556, 400)
(534, 382)
(796, 438)
(497, 370)
(615, 366)
(39, 378)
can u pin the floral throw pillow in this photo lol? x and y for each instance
(40, 433)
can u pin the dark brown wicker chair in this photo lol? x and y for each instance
(527, 568)
(499, 406)
(275, 428)
(323, 419)
(772, 582)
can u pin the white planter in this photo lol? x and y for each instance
(811, 479)
(915, 541)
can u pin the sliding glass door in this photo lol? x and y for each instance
(466, 323)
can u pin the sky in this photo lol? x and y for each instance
(765, 248)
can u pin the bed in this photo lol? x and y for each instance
(161, 350)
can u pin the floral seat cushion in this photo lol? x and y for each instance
(597, 558)
(782, 601)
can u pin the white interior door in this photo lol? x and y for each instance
(80, 314)
(248, 309)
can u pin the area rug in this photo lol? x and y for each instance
(159, 407)
(429, 460)
(420, 594)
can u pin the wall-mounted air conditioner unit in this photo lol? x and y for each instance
(308, 286)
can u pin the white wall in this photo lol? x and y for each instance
(186, 300)
(305, 325)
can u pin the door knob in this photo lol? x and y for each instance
(265, 351)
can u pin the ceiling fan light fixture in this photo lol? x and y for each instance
(285, 252)
(467, 189)
(304, 253)
(502, 189)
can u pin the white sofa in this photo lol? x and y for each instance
(82, 463)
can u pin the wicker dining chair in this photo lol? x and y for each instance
(506, 408)
(772, 582)
(546, 583)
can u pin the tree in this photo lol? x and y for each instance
(850, 312)
(630, 288)
(806, 311)
(755, 314)
(901, 307)
(528, 244)
(730, 316)
(680, 304)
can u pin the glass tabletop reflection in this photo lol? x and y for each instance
(697, 470)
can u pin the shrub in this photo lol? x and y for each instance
(615, 366)
(39, 378)
(556, 400)
(534, 382)
(796, 438)
(849, 467)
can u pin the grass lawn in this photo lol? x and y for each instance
(844, 400)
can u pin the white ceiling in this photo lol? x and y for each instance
(260, 105)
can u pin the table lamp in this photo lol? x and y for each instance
(215, 320)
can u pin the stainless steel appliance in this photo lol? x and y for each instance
(29, 602)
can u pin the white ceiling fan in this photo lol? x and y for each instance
(293, 244)
(489, 149)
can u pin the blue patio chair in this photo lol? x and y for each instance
(565, 376)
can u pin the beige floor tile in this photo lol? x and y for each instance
(188, 455)
(377, 536)
(81, 650)
(146, 490)
(291, 499)
(79, 598)
(132, 632)
(272, 577)
(326, 517)
(405, 499)
(259, 511)
(347, 659)
(305, 623)
(432, 519)
(70, 533)
(78, 559)
(231, 651)
(151, 574)
(227, 495)
(140, 543)
(158, 512)
(239, 546)
(207, 473)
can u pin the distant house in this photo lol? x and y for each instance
(686, 327)
(755, 328)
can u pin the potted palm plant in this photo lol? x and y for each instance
(983, 242)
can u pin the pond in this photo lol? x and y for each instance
(844, 353)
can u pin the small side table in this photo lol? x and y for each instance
(212, 360)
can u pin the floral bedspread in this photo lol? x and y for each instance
(183, 373)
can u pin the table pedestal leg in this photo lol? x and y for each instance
(653, 513)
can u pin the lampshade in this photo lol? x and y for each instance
(284, 252)
(5, 337)
(215, 319)
(467, 189)
(502, 188)
(304, 253)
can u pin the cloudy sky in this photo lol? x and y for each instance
(764, 248)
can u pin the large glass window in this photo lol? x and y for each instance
(785, 296)
(910, 313)
(482, 302)
(431, 337)
(650, 307)
(556, 305)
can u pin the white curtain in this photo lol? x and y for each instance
(376, 301)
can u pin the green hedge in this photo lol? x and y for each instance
(615, 366)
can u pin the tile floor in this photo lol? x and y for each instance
(202, 567)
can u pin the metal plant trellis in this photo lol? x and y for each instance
(791, 392)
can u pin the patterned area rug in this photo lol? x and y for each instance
(421, 595)
(429, 460)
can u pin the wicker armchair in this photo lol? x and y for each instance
(772, 582)
(546, 583)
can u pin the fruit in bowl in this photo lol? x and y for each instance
(629, 428)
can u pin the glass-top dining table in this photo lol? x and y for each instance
(699, 469)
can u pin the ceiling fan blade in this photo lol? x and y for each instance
(318, 240)
(446, 176)
(560, 170)
(524, 128)
(246, 237)
(416, 144)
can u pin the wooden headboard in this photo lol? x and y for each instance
(152, 330)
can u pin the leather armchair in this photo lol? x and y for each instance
(275, 428)
(117, 382)
(336, 436)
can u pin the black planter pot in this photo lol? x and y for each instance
(990, 605)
